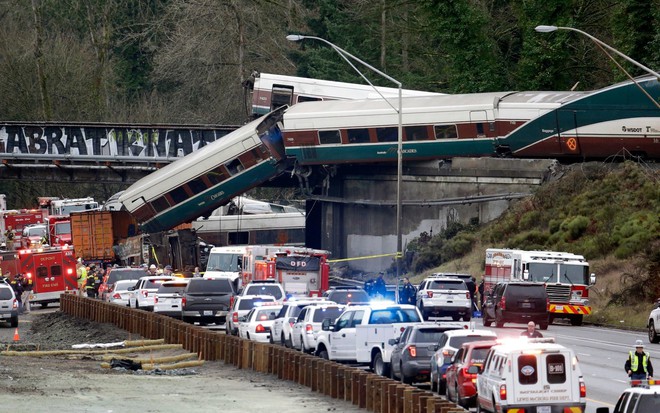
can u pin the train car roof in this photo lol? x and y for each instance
(321, 87)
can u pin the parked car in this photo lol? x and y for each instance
(461, 374)
(207, 300)
(517, 302)
(120, 273)
(347, 295)
(256, 325)
(654, 322)
(167, 300)
(449, 343)
(442, 296)
(242, 305)
(265, 288)
(144, 291)
(308, 324)
(8, 305)
(638, 399)
(121, 292)
(283, 325)
(536, 375)
(412, 352)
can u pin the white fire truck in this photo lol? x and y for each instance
(566, 277)
(52, 271)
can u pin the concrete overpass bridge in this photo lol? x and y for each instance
(96, 152)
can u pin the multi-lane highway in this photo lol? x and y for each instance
(601, 351)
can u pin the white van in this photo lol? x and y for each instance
(537, 375)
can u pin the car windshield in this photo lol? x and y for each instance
(456, 342)
(648, 403)
(328, 312)
(478, 355)
(447, 285)
(394, 315)
(273, 290)
(224, 262)
(345, 297)
(248, 303)
(428, 335)
(559, 273)
(5, 294)
(266, 314)
(132, 274)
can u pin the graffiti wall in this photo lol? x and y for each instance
(106, 141)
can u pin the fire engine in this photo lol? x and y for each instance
(301, 271)
(52, 271)
(17, 220)
(566, 277)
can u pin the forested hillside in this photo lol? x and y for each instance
(183, 61)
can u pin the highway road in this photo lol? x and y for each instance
(601, 352)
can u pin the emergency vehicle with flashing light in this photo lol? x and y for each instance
(566, 277)
(531, 375)
(256, 325)
(362, 334)
(643, 398)
(51, 272)
(17, 220)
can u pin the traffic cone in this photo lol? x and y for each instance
(16, 336)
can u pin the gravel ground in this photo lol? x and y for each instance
(80, 384)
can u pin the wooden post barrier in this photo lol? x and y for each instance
(362, 390)
(399, 397)
(376, 393)
(340, 382)
(355, 386)
(320, 376)
(308, 372)
(391, 397)
(313, 381)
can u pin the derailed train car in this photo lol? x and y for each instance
(208, 178)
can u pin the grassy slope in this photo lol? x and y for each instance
(607, 212)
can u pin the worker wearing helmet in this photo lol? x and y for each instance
(81, 273)
(638, 365)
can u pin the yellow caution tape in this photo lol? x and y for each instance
(366, 257)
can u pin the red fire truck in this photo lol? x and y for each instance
(17, 220)
(566, 277)
(52, 271)
(9, 263)
(301, 271)
(59, 229)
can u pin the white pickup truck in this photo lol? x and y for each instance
(362, 333)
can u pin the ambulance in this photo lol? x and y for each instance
(51, 271)
(530, 376)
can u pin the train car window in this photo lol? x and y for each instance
(358, 135)
(327, 137)
(308, 99)
(216, 176)
(491, 126)
(282, 95)
(238, 238)
(480, 130)
(197, 185)
(160, 204)
(234, 167)
(145, 212)
(445, 132)
(416, 133)
(178, 195)
(387, 134)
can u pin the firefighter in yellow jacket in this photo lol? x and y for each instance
(81, 273)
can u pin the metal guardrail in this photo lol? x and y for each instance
(364, 389)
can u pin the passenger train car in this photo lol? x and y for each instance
(209, 177)
(271, 91)
(569, 125)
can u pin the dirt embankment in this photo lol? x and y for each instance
(76, 383)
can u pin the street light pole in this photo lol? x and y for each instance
(548, 29)
(345, 55)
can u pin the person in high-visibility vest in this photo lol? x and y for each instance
(638, 365)
(81, 273)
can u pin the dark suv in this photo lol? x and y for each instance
(516, 302)
(207, 300)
